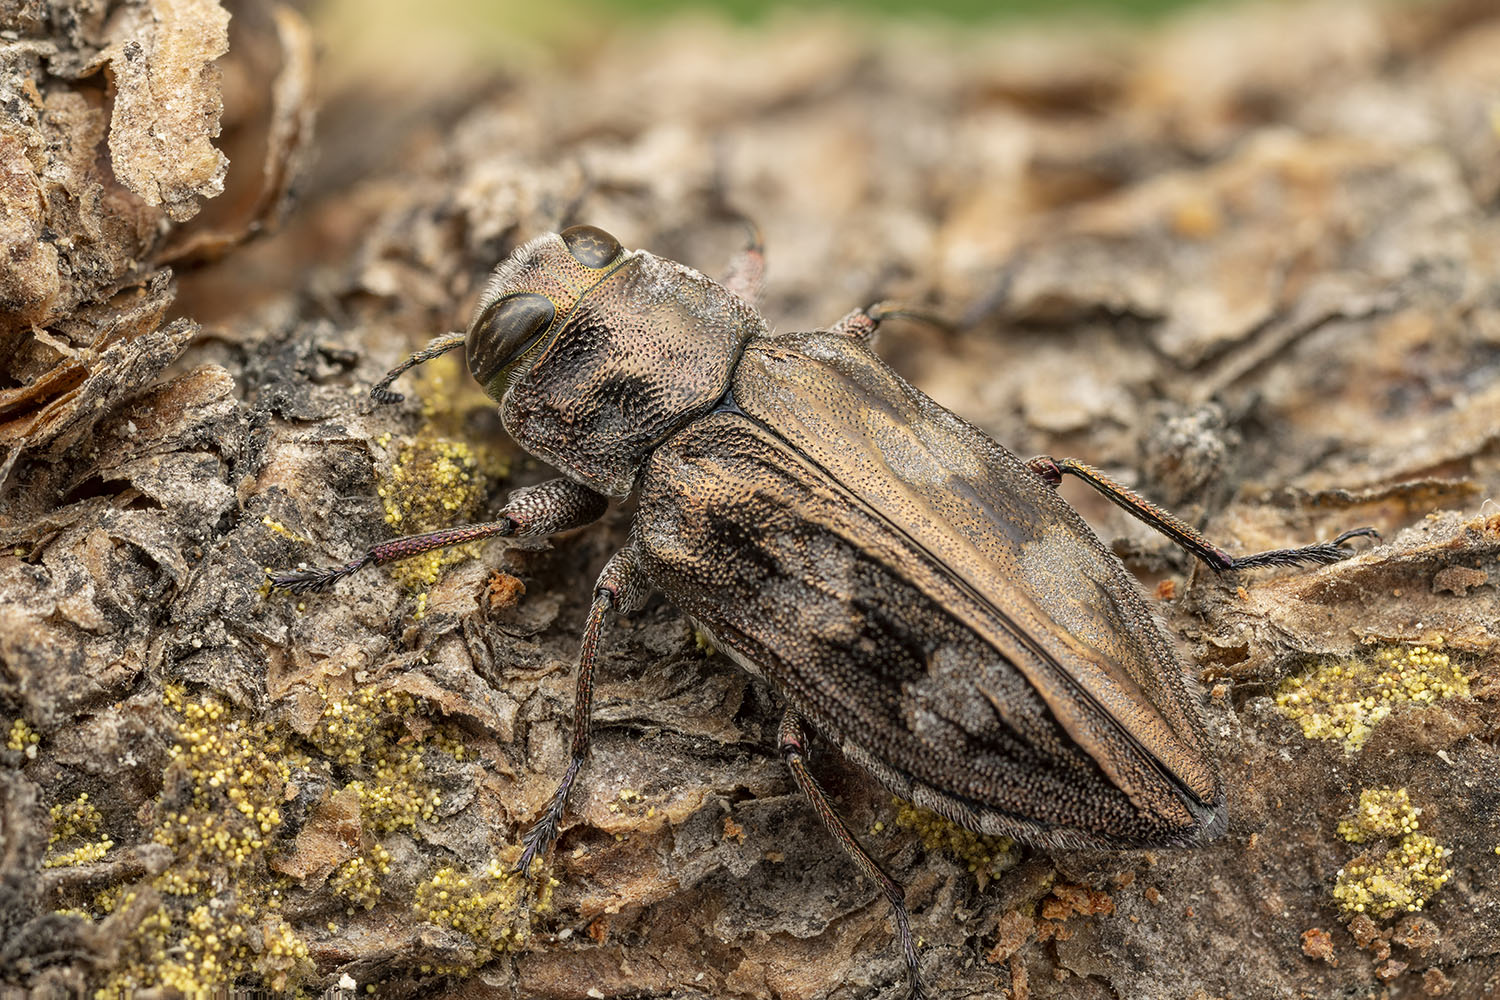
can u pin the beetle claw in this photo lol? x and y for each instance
(1366, 532)
(535, 844)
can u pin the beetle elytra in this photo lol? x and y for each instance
(921, 598)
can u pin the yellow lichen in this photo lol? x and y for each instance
(1407, 875)
(449, 397)
(358, 879)
(71, 821)
(985, 855)
(494, 909)
(627, 798)
(1402, 881)
(1382, 812)
(211, 920)
(84, 854)
(218, 813)
(435, 480)
(366, 735)
(22, 738)
(106, 900)
(432, 483)
(284, 958)
(278, 528)
(233, 776)
(1346, 699)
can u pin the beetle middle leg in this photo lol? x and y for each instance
(544, 509)
(621, 589)
(1185, 535)
(747, 269)
(793, 739)
(861, 324)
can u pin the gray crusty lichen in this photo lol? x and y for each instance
(1267, 230)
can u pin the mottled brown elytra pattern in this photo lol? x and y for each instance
(919, 596)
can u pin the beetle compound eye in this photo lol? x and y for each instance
(506, 330)
(590, 245)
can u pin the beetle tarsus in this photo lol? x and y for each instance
(1319, 554)
(909, 950)
(305, 581)
(543, 832)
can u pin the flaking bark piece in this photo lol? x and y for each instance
(275, 124)
(168, 106)
(1337, 611)
(329, 838)
(110, 138)
(126, 349)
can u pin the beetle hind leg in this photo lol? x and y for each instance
(1185, 535)
(793, 739)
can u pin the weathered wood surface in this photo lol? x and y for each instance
(1249, 260)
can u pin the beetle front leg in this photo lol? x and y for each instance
(621, 589)
(793, 739)
(1185, 535)
(544, 509)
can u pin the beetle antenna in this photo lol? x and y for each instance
(380, 391)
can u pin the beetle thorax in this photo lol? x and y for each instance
(649, 347)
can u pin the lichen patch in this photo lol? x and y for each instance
(1406, 876)
(495, 908)
(985, 855)
(1346, 699)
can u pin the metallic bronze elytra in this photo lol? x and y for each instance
(919, 596)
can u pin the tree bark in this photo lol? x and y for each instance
(1248, 261)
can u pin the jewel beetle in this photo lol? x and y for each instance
(919, 597)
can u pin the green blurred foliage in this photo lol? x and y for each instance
(956, 10)
(381, 42)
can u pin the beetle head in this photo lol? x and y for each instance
(596, 353)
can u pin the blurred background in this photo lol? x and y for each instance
(478, 33)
